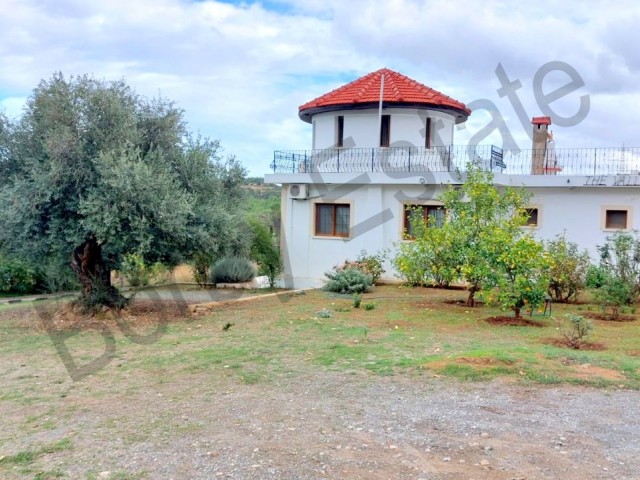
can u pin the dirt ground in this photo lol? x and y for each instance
(329, 426)
(153, 422)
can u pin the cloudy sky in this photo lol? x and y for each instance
(240, 69)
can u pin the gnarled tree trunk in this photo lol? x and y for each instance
(94, 276)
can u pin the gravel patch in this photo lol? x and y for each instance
(342, 425)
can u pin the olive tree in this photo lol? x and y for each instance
(97, 171)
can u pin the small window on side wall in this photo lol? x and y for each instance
(616, 219)
(531, 214)
(332, 219)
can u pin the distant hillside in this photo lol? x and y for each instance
(263, 202)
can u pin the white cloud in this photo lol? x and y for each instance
(240, 71)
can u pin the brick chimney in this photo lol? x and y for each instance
(539, 148)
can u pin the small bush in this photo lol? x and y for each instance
(17, 276)
(620, 262)
(57, 276)
(575, 328)
(432, 257)
(613, 295)
(324, 313)
(138, 274)
(357, 299)
(596, 277)
(265, 252)
(367, 263)
(348, 280)
(201, 265)
(369, 306)
(232, 270)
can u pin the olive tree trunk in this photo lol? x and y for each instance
(94, 276)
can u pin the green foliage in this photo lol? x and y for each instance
(348, 280)
(91, 159)
(486, 223)
(369, 306)
(324, 313)
(265, 252)
(57, 276)
(595, 277)
(17, 276)
(357, 300)
(481, 242)
(618, 273)
(613, 295)
(232, 270)
(369, 264)
(620, 263)
(574, 329)
(522, 275)
(432, 258)
(568, 269)
(138, 273)
(201, 266)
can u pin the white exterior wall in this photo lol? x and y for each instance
(580, 213)
(377, 217)
(361, 128)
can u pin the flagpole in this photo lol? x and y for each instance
(380, 109)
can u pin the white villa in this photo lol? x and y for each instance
(384, 142)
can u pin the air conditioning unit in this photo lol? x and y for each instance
(299, 191)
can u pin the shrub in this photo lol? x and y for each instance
(575, 328)
(413, 264)
(57, 276)
(369, 264)
(619, 272)
(348, 280)
(369, 306)
(613, 295)
(265, 252)
(201, 265)
(432, 258)
(620, 261)
(17, 276)
(138, 273)
(568, 269)
(232, 270)
(595, 277)
(357, 300)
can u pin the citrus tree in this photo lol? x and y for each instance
(486, 222)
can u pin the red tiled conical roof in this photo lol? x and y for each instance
(399, 90)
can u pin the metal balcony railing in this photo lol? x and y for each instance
(564, 161)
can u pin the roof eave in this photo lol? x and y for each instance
(461, 114)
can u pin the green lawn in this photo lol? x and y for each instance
(410, 331)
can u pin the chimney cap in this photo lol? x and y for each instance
(541, 120)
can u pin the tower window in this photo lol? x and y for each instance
(340, 131)
(385, 131)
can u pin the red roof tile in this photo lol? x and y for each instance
(541, 120)
(398, 89)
